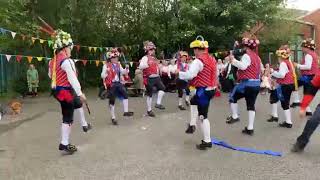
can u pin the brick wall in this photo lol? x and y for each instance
(313, 17)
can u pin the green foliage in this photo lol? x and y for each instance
(171, 24)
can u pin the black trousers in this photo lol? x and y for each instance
(116, 90)
(202, 101)
(68, 102)
(310, 127)
(182, 85)
(250, 94)
(286, 93)
(154, 82)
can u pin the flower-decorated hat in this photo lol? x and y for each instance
(148, 45)
(250, 42)
(61, 40)
(113, 53)
(199, 43)
(309, 43)
(284, 52)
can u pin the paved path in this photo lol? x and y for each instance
(145, 148)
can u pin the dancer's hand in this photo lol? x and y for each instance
(302, 113)
(83, 98)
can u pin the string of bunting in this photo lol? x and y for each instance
(19, 58)
(94, 49)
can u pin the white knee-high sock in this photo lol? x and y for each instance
(274, 109)
(287, 114)
(149, 103)
(234, 110)
(125, 105)
(188, 98)
(296, 98)
(252, 115)
(160, 96)
(194, 115)
(308, 109)
(65, 133)
(79, 114)
(113, 115)
(180, 101)
(206, 130)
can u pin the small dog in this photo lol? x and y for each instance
(15, 107)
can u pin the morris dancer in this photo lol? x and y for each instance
(308, 68)
(249, 70)
(149, 66)
(203, 75)
(314, 121)
(66, 87)
(113, 75)
(182, 85)
(285, 78)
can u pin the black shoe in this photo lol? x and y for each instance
(230, 120)
(273, 119)
(151, 114)
(182, 108)
(187, 103)
(297, 147)
(285, 125)
(68, 148)
(247, 131)
(293, 105)
(114, 122)
(86, 128)
(308, 113)
(191, 129)
(128, 114)
(204, 145)
(160, 106)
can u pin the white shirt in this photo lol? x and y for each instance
(307, 63)
(220, 67)
(105, 70)
(173, 68)
(69, 67)
(244, 63)
(194, 68)
(281, 73)
(144, 65)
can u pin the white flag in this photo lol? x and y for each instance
(13, 34)
(8, 57)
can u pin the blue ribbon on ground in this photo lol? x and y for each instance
(248, 150)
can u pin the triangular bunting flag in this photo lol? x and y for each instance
(76, 60)
(8, 57)
(13, 34)
(107, 49)
(18, 58)
(90, 62)
(97, 63)
(39, 58)
(78, 48)
(42, 41)
(29, 59)
(101, 49)
(95, 49)
(131, 63)
(90, 48)
(3, 31)
(33, 39)
(23, 37)
(50, 43)
(84, 62)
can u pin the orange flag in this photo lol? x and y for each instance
(29, 59)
